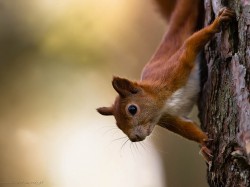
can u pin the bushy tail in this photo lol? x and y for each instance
(166, 7)
(185, 17)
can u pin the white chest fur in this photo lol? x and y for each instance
(183, 100)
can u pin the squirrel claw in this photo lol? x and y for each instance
(208, 140)
(226, 11)
(225, 14)
(206, 153)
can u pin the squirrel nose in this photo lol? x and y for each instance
(136, 138)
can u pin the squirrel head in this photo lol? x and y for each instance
(136, 108)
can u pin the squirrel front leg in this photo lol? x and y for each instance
(181, 64)
(184, 127)
(197, 41)
(187, 129)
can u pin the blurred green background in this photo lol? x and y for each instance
(57, 59)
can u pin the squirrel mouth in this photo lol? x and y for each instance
(137, 138)
(140, 133)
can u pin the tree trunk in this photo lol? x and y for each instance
(225, 98)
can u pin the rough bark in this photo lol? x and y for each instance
(225, 97)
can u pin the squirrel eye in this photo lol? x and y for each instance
(132, 109)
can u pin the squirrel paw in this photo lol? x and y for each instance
(224, 16)
(206, 153)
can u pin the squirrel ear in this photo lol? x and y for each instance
(106, 111)
(124, 87)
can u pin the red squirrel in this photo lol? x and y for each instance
(169, 83)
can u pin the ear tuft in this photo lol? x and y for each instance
(106, 111)
(125, 87)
